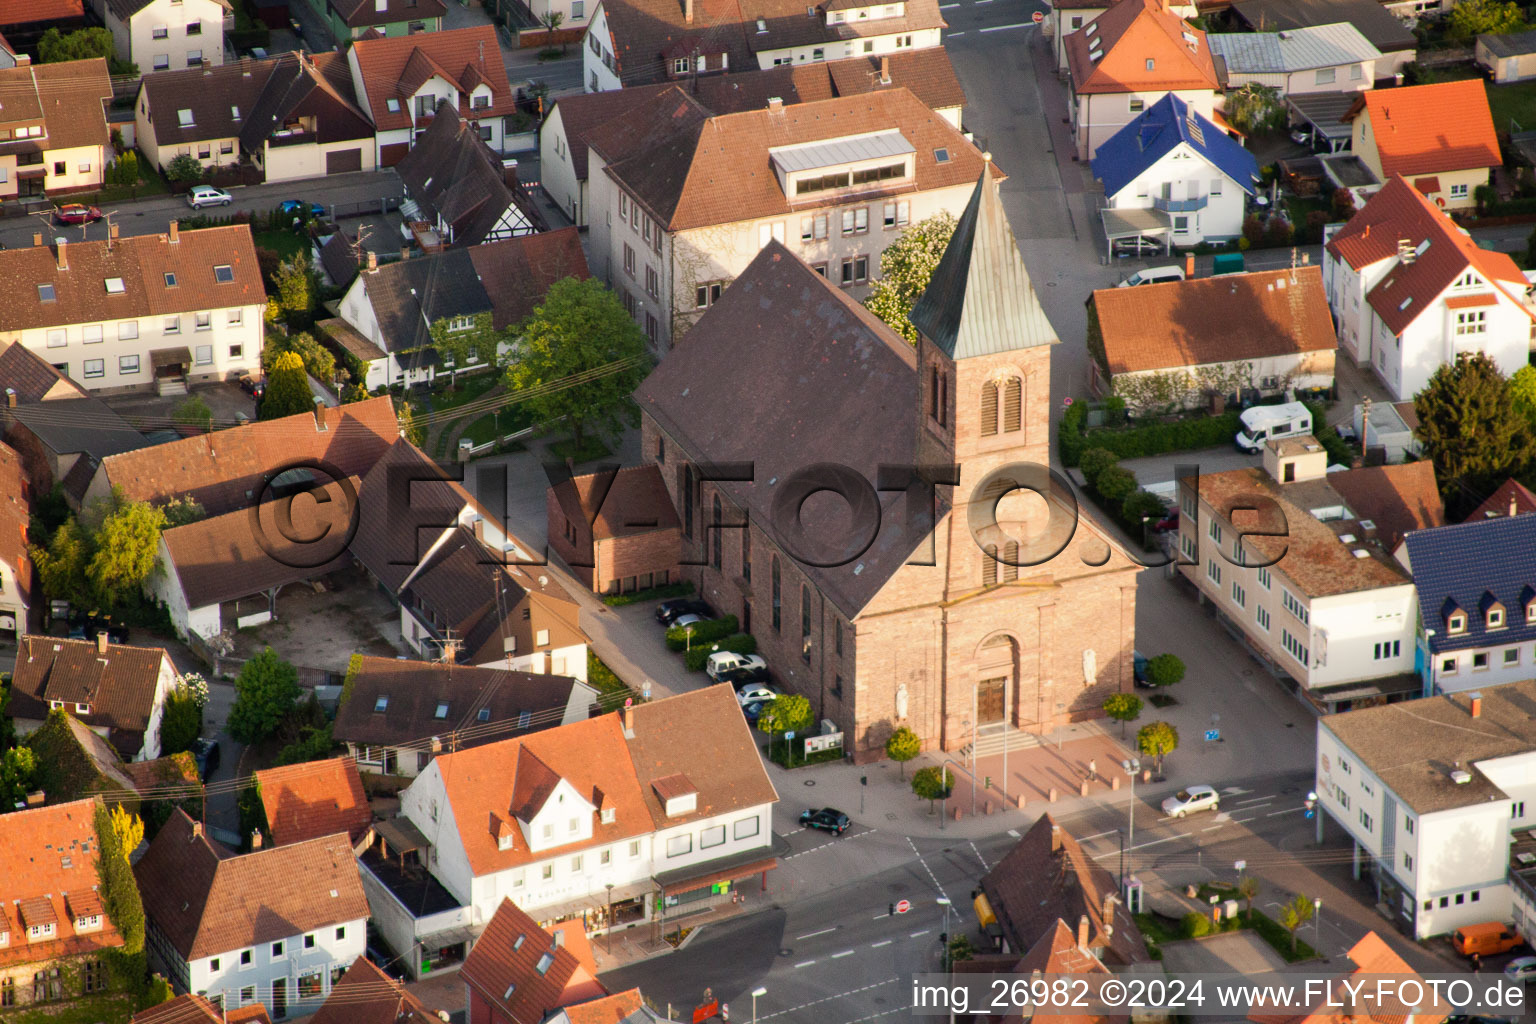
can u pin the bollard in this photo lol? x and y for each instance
(1082, 789)
(1146, 775)
(1053, 794)
(1114, 783)
(986, 807)
(958, 814)
(1018, 801)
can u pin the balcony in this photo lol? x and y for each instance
(1179, 205)
(291, 137)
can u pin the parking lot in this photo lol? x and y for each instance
(322, 630)
(149, 412)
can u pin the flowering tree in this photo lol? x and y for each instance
(905, 268)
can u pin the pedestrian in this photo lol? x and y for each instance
(1093, 770)
(1477, 964)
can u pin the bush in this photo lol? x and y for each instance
(1253, 230)
(1095, 461)
(1165, 670)
(1279, 232)
(741, 643)
(1312, 232)
(184, 168)
(703, 633)
(1069, 437)
(1342, 204)
(1140, 505)
(1197, 431)
(1116, 483)
(1196, 925)
(650, 594)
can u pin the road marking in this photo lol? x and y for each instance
(1143, 846)
(931, 876)
(1003, 28)
(812, 935)
(839, 956)
(877, 945)
(883, 1013)
(984, 865)
(945, 7)
(1288, 810)
(1244, 821)
(835, 842)
(1014, 833)
(1213, 828)
(953, 34)
(804, 963)
(1098, 835)
(1235, 791)
(918, 935)
(1256, 800)
(828, 999)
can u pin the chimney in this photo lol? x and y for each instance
(1055, 838)
(1109, 908)
(628, 719)
(197, 830)
(10, 398)
(1189, 266)
(885, 71)
(101, 642)
(173, 232)
(775, 104)
(479, 530)
(1514, 505)
(1476, 710)
(1082, 932)
(688, 11)
(372, 262)
(405, 252)
(319, 413)
(37, 240)
(255, 838)
(59, 245)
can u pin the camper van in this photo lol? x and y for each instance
(1270, 423)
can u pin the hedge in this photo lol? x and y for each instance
(703, 633)
(741, 643)
(1136, 442)
(662, 592)
(1337, 448)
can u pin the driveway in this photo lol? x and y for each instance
(148, 411)
(323, 630)
(1233, 953)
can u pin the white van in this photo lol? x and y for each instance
(1153, 275)
(1264, 423)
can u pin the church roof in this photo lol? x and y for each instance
(980, 300)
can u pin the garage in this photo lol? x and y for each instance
(341, 161)
(393, 153)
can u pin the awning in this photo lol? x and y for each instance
(740, 865)
(1129, 223)
(984, 915)
(170, 357)
(400, 836)
(591, 901)
(31, 172)
(1398, 685)
(720, 874)
(446, 937)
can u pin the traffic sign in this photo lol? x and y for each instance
(1212, 735)
(902, 906)
(1067, 402)
(1038, 17)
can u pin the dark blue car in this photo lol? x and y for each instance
(296, 206)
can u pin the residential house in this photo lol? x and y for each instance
(53, 128)
(399, 714)
(1317, 595)
(349, 20)
(1411, 291)
(1060, 951)
(927, 73)
(642, 42)
(392, 313)
(1397, 500)
(1438, 136)
(520, 972)
(1437, 798)
(1371, 956)
(1372, 19)
(1245, 335)
(30, 378)
(456, 186)
(610, 822)
(142, 312)
(366, 995)
(167, 35)
(400, 82)
(875, 640)
(117, 690)
(312, 800)
(1172, 175)
(16, 579)
(292, 116)
(54, 922)
(285, 950)
(1047, 879)
(1512, 498)
(1476, 585)
(628, 1007)
(1128, 58)
(843, 176)
(195, 1009)
(1311, 59)
(617, 531)
(1067, 17)
(1507, 58)
(23, 23)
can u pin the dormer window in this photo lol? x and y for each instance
(40, 932)
(607, 816)
(1493, 612)
(504, 842)
(91, 923)
(1457, 623)
(1530, 613)
(677, 793)
(82, 709)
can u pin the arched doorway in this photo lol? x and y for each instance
(996, 676)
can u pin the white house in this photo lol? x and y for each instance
(601, 821)
(1314, 58)
(63, 108)
(116, 690)
(1319, 597)
(1192, 178)
(16, 586)
(206, 934)
(139, 313)
(1435, 794)
(1410, 291)
(167, 35)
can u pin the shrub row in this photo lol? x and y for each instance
(741, 643)
(703, 633)
(649, 594)
(1148, 439)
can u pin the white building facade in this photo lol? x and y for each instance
(166, 35)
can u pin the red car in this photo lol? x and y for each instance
(75, 213)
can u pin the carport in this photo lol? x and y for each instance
(1324, 113)
(1142, 222)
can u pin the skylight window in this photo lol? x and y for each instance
(484, 715)
(393, 105)
(234, 112)
(1405, 303)
(546, 961)
(184, 117)
(762, 26)
(442, 710)
(381, 703)
(170, 279)
(941, 156)
(223, 273)
(45, 293)
(115, 286)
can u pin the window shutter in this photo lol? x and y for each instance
(1013, 395)
(989, 565)
(989, 408)
(1011, 560)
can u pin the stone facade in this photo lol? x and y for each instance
(612, 565)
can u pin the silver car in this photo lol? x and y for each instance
(1192, 798)
(207, 195)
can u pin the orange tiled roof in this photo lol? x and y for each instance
(46, 853)
(1141, 47)
(394, 67)
(504, 968)
(608, 1010)
(1371, 955)
(1427, 129)
(25, 12)
(314, 799)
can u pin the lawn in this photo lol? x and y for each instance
(467, 389)
(1516, 101)
(282, 241)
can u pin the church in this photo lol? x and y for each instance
(880, 516)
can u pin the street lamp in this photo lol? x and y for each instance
(943, 901)
(1132, 768)
(1317, 918)
(755, 993)
(610, 918)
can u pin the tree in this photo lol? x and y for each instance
(788, 712)
(287, 388)
(580, 328)
(1295, 914)
(61, 566)
(1157, 739)
(127, 547)
(1522, 388)
(1248, 889)
(1342, 204)
(1123, 708)
(181, 721)
(1471, 18)
(552, 20)
(181, 510)
(1095, 461)
(1471, 427)
(319, 361)
(127, 828)
(314, 744)
(17, 769)
(184, 168)
(905, 268)
(461, 345)
(1279, 231)
(902, 746)
(1116, 483)
(193, 412)
(55, 47)
(266, 690)
(410, 428)
(1253, 230)
(1142, 505)
(932, 783)
(1255, 108)
(293, 286)
(125, 168)
(1165, 670)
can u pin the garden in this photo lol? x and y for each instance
(1158, 930)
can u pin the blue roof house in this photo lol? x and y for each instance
(1173, 176)
(1476, 586)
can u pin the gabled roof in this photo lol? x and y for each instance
(1512, 497)
(206, 900)
(1510, 44)
(15, 515)
(301, 85)
(389, 544)
(1428, 129)
(360, 13)
(1442, 252)
(1370, 956)
(450, 173)
(125, 9)
(1462, 562)
(980, 300)
(217, 99)
(67, 96)
(1141, 46)
(119, 685)
(407, 296)
(524, 268)
(29, 12)
(614, 1009)
(490, 703)
(366, 995)
(45, 854)
(314, 799)
(1158, 131)
(1384, 29)
(86, 425)
(32, 377)
(195, 1009)
(1398, 499)
(523, 971)
(623, 504)
(1189, 323)
(1299, 49)
(75, 762)
(383, 64)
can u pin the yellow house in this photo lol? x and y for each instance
(1439, 137)
(53, 127)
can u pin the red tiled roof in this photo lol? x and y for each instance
(389, 65)
(1129, 37)
(1428, 186)
(44, 853)
(631, 501)
(1510, 495)
(1398, 499)
(366, 995)
(608, 1010)
(186, 1009)
(32, 377)
(26, 12)
(119, 686)
(522, 269)
(1371, 955)
(314, 799)
(1429, 129)
(504, 967)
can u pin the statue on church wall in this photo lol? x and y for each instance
(1090, 667)
(901, 702)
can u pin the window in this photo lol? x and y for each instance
(855, 270)
(813, 228)
(805, 623)
(1324, 76)
(1496, 617)
(1213, 530)
(856, 221)
(277, 951)
(45, 293)
(1448, 666)
(576, 863)
(159, 32)
(195, 28)
(837, 636)
(1511, 656)
(213, 965)
(1294, 606)
(441, 711)
(127, 364)
(679, 846)
(162, 62)
(680, 66)
(1517, 809)
(714, 836)
(1459, 191)
(1261, 615)
(235, 317)
(1471, 322)
(1215, 186)
(245, 958)
(770, 232)
(381, 703)
(652, 283)
(1151, 64)
(1479, 660)
(204, 151)
(1137, 106)
(1294, 647)
(310, 984)
(1264, 578)
(58, 338)
(774, 575)
(1457, 623)
(226, 148)
(634, 849)
(223, 273)
(95, 368)
(172, 325)
(202, 321)
(629, 260)
(573, 826)
(8, 992)
(578, 10)
(547, 872)
(309, 941)
(706, 295)
(1239, 595)
(194, 57)
(1387, 649)
(1213, 570)
(1407, 861)
(541, 638)
(897, 214)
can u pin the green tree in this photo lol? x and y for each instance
(127, 548)
(1095, 461)
(960, 948)
(1295, 914)
(125, 169)
(788, 712)
(184, 168)
(1140, 506)
(1471, 428)
(193, 412)
(119, 892)
(1255, 108)
(552, 20)
(1115, 483)
(1165, 670)
(181, 510)
(581, 328)
(932, 783)
(410, 428)
(1471, 18)
(902, 746)
(265, 691)
(319, 361)
(181, 721)
(1123, 708)
(287, 388)
(1522, 388)
(293, 287)
(905, 269)
(61, 566)
(82, 44)
(18, 768)
(1158, 740)
(314, 744)
(1248, 889)
(463, 345)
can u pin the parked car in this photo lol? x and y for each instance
(1301, 136)
(1125, 247)
(722, 662)
(77, 213)
(1168, 523)
(1192, 798)
(688, 620)
(828, 819)
(1139, 670)
(1521, 968)
(1153, 275)
(298, 206)
(207, 195)
(754, 710)
(739, 677)
(253, 386)
(755, 691)
(206, 753)
(668, 611)
(1490, 938)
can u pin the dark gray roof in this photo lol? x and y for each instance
(304, 86)
(1467, 567)
(979, 300)
(1511, 45)
(787, 372)
(1370, 18)
(388, 541)
(450, 173)
(409, 295)
(68, 425)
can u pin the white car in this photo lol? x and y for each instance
(687, 620)
(1521, 968)
(207, 195)
(748, 694)
(1192, 798)
(722, 662)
